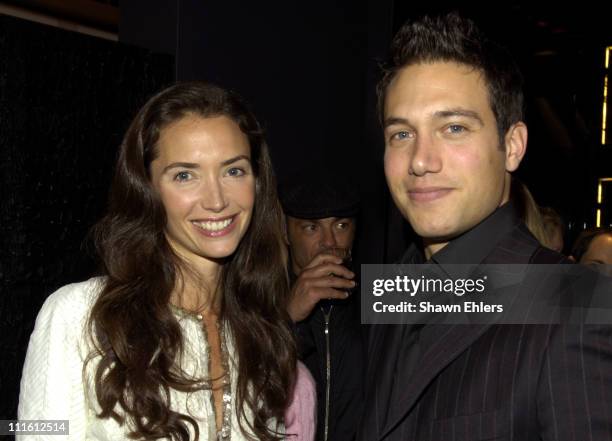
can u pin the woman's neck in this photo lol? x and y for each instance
(196, 289)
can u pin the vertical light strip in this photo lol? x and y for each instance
(600, 185)
(598, 220)
(604, 110)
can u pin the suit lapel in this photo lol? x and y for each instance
(382, 361)
(447, 342)
(450, 341)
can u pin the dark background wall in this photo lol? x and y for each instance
(65, 101)
(301, 65)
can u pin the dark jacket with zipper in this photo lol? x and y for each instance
(330, 344)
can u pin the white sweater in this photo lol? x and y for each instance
(52, 386)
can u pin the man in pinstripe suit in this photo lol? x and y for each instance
(451, 106)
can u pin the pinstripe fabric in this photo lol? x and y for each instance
(498, 382)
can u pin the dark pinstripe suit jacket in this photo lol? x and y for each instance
(494, 382)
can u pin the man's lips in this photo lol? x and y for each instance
(428, 194)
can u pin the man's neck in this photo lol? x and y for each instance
(431, 248)
(474, 243)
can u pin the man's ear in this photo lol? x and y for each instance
(516, 145)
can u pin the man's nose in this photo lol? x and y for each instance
(425, 156)
(328, 239)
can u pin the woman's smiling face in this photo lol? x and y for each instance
(205, 180)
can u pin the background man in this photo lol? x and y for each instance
(321, 224)
(451, 105)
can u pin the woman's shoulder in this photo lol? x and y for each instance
(72, 301)
(305, 381)
(300, 418)
(60, 326)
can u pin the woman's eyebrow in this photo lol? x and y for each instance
(193, 165)
(190, 165)
(235, 159)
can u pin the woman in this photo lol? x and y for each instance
(543, 222)
(594, 247)
(186, 335)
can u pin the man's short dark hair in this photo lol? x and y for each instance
(453, 38)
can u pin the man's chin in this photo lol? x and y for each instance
(430, 231)
(435, 236)
(439, 238)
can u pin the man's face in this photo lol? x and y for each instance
(309, 237)
(443, 161)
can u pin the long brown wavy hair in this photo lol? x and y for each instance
(137, 337)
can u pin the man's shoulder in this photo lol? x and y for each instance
(521, 246)
(543, 255)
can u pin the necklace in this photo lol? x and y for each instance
(223, 434)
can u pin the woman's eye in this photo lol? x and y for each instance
(236, 171)
(182, 176)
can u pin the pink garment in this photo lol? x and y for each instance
(300, 418)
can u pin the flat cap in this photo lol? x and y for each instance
(319, 196)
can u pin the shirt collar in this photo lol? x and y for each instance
(473, 246)
(476, 244)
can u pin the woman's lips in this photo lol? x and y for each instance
(215, 228)
(428, 194)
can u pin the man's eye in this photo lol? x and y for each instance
(401, 135)
(310, 227)
(182, 176)
(342, 225)
(455, 128)
(236, 171)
